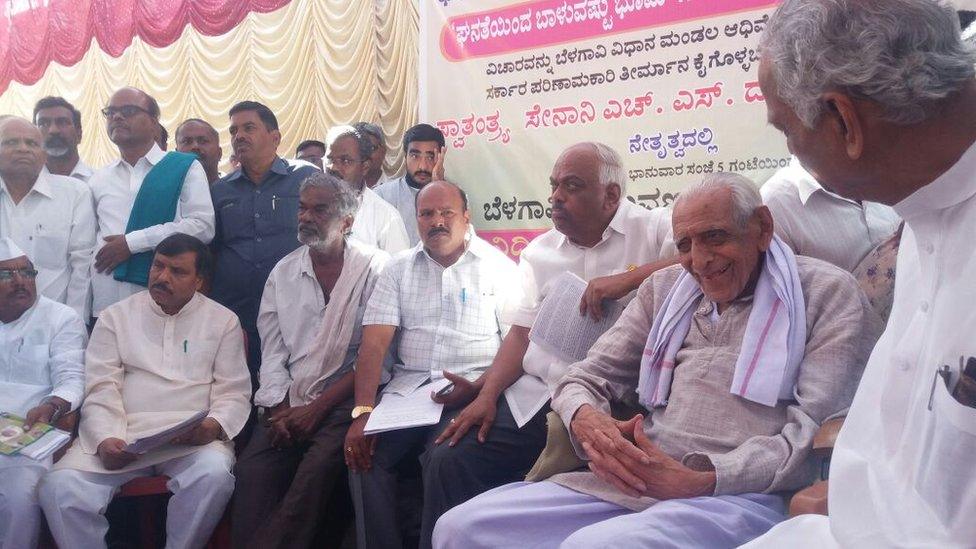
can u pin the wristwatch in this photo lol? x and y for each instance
(59, 410)
(360, 410)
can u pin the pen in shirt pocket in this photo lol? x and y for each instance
(464, 295)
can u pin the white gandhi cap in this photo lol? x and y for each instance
(9, 250)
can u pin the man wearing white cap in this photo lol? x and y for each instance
(42, 376)
(49, 216)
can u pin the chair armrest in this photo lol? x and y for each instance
(812, 500)
(823, 441)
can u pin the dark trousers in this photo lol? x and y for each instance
(451, 476)
(283, 494)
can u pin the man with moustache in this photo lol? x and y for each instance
(257, 217)
(42, 377)
(376, 176)
(377, 222)
(443, 301)
(60, 125)
(311, 326)
(140, 199)
(424, 148)
(155, 359)
(50, 216)
(200, 138)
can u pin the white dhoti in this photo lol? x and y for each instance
(20, 514)
(802, 532)
(75, 501)
(545, 514)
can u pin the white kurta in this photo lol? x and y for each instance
(147, 371)
(81, 171)
(55, 225)
(403, 197)
(902, 471)
(379, 225)
(114, 189)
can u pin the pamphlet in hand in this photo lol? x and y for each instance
(162, 438)
(403, 411)
(560, 328)
(38, 443)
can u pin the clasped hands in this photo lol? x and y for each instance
(622, 455)
(291, 424)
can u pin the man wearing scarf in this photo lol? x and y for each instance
(738, 356)
(310, 323)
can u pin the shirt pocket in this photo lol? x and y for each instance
(198, 360)
(235, 218)
(947, 444)
(31, 364)
(51, 246)
(479, 312)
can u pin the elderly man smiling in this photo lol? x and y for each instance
(738, 356)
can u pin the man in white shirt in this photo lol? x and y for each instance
(376, 176)
(60, 125)
(443, 299)
(377, 222)
(879, 100)
(48, 215)
(816, 222)
(132, 117)
(42, 377)
(155, 360)
(311, 325)
(423, 146)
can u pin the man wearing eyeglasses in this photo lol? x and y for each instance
(377, 222)
(60, 125)
(42, 377)
(50, 216)
(141, 198)
(424, 146)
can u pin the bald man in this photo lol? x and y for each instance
(49, 216)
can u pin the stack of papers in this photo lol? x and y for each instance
(38, 443)
(145, 444)
(405, 408)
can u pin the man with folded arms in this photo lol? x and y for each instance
(42, 377)
(443, 300)
(155, 359)
(49, 216)
(311, 326)
(738, 355)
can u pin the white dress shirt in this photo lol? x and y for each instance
(449, 318)
(902, 473)
(379, 225)
(818, 223)
(404, 198)
(55, 226)
(634, 237)
(114, 188)
(290, 319)
(81, 171)
(42, 355)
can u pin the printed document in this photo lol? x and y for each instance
(403, 410)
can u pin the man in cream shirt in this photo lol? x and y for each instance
(834, 77)
(155, 359)
(49, 216)
(132, 117)
(42, 377)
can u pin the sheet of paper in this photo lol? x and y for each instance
(560, 329)
(145, 444)
(403, 411)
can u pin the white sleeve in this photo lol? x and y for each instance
(194, 215)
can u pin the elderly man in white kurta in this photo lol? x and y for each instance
(834, 78)
(42, 377)
(817, 222)
(49, 216)
(737, 355)
(156, 359)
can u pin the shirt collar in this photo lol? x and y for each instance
(25, 315)
(82, 169)
(187, 309)
(472, 245)
(153, 156)
(954, 186)
(305, 262)
(41, 186)
(279, 166)
(618, 224)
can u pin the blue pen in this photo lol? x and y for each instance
(464, 295)
(184, 346)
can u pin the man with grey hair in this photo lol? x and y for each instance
(377, 223)
(376, 176)
(879, 99)
(310, 323)
(738, 355)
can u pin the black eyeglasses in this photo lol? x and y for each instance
(127, 111)
(8, 274)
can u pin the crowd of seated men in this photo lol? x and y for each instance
(289, 298)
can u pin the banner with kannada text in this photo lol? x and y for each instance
(670, 84)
